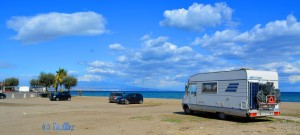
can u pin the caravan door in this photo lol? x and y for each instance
(192, 95)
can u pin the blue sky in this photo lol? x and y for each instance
(149, 44)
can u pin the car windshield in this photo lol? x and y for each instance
(125, 96)
(118, 94)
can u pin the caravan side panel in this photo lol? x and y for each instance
(230, 99)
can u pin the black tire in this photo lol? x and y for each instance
(126, 102)
(248, 118)
(57, 99)
(1, 97)
(141, 102)
(221, 116)
(187, 110)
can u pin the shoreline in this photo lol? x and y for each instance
(35, 94)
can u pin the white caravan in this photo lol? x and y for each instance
(245, 93)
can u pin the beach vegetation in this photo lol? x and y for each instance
(34, 83)
(59, 79)
(69, 82)
(291, 114)
(172, 120)
(61, 74)
(55, 86)
(175, 118)
(147, 117)
(11, 82)
(46, 80)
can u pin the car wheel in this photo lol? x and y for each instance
(57, 99)
(141, 102)
(1, 97)
(126, 102)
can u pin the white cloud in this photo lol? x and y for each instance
(227, 42)
(89, 77)
(198, 16)
(122, 58)
(294, 78)
(116, 47)
(43, 27)
(149, 42)
(72, 72)
(171, 83)
(283, 67)
(276, 40)
(158, 64)
(98, 63)
(101, 70)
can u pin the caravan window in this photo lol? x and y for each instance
(193, 88)
(210, 87)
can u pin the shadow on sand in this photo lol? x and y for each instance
(214, 116)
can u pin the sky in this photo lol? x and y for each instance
(155, 44)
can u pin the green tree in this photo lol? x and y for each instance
(60, 75)
(69, 82)
(34, 83)
(46, 80)
(11, 82)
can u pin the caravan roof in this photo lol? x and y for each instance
(243, 74)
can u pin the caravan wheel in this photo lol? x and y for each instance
(222, 116)
(187, 110)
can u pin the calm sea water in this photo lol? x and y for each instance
(285, 96)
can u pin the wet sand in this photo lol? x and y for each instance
(94, 115)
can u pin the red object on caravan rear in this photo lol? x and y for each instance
(271, 99)
(253, 114)
(276, 113)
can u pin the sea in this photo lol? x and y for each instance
(285, 96)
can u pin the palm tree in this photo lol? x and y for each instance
(60, 75)
(55, 85)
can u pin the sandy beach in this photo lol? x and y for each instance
(94, 115)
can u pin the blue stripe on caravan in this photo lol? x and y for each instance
(232, 87)
(230, 90)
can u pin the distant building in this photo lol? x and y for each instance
(38, 89)
(24, 88)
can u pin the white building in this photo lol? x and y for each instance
(24, 88)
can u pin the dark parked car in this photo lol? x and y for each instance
(60, 96)
(130, 98)
(2, 96)
(114, 95)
